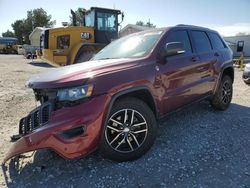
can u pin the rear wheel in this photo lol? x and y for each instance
(223, 96)
(130, 130)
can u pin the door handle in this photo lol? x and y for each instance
(194, 59)
(216, 54)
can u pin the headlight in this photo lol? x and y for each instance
(75, 93)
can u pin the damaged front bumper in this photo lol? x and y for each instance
(71, 131)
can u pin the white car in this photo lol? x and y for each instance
(20, 50)
(246, 74)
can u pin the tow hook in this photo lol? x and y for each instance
(15, 137)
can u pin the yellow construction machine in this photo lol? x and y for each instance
(75, 44)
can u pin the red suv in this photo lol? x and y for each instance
(113, 102)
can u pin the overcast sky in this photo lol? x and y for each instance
(229, 17)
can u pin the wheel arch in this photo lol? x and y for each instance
(229, 71)
(141, 92)
(226, 70)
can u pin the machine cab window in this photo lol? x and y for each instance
(63, 42)
(102, 19)
(90, 19)
(106, 21)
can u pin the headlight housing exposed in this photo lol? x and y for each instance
(74, 93)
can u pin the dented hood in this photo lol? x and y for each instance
(77, 74)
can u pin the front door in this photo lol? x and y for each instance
(179, 76)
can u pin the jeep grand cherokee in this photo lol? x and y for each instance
(113, 102)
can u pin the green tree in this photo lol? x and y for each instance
(79, 17)
(38, 18)
(148, 24)
(19, 27)
(141, 23)
(35, 18)
(8, 33)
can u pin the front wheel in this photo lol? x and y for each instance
(223, 96)
(130, 130)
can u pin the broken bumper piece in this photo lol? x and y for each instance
(71, 132)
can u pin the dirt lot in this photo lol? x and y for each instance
(196, 147)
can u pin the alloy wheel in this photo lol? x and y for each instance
(126, 130)
(226, 93)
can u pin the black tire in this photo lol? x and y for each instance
(84, 56)
(247, 81)
(13, 52)
(223, 96)
(28, 56)
(135, 138)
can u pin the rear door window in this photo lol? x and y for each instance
(201, 41)
(180, 36)
(216, 41)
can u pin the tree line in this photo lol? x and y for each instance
(39, 18)
(23, 27)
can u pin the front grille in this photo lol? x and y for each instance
(37, 118)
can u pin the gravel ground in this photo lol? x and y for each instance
(195, 147)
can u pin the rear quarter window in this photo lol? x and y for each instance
(216, 41)
(201, 41)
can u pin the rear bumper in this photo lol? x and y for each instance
(89, 116)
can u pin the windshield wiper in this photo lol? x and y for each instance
(107, 58)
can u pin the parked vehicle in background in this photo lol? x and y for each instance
(8, 45)
(20, 50)
(75, 44)
(113, 102)
(246, 74)
(30, 51)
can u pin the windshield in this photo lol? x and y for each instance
(137, 45)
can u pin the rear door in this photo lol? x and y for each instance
(203, 48)
(179, 75)
(219, 51)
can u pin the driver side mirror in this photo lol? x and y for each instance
(122, 17)
(173, 48)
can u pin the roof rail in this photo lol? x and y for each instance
(194, 26)
(187, 25)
